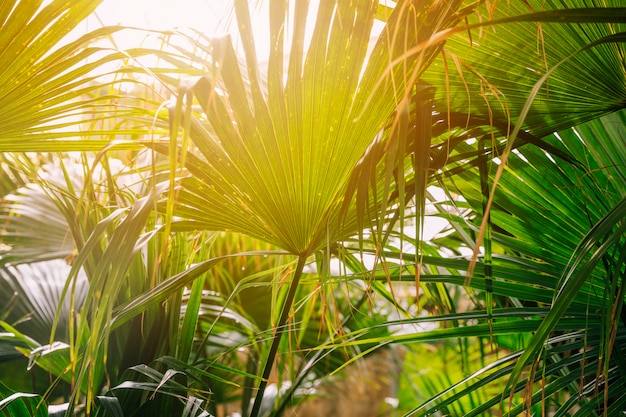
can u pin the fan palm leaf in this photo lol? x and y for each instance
(277, 158)
(493, 70)
(56, 84)
(28, 96)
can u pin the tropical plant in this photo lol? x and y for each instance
(556, 250)
(525, 204)
(323, 155)
(490, 116)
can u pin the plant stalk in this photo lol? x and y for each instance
(280, 327)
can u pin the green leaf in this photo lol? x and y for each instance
(21, 404)
(603, 237)
(111, 405)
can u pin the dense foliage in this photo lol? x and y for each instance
(213, 232)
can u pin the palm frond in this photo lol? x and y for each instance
(492, 70)
(276, 159)
(37, 290)
(558, 235)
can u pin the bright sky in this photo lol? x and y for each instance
(212, 17)
(204, 15)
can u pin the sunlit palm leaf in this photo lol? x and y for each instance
(277, 160)
(53, 83)
(492, 70)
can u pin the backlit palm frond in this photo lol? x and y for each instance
(54, 84)
(277, 158)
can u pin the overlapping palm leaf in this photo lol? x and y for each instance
(558, 252)
(582, 78)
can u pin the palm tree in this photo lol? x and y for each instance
(556, 250)
(526, 208)
(237, 185)
(535, 221)
(283, 161)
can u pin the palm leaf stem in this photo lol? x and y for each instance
(487, 258)
(284, 315)
(319, 355)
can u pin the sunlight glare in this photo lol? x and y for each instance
(210, 17)
(207, 16)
